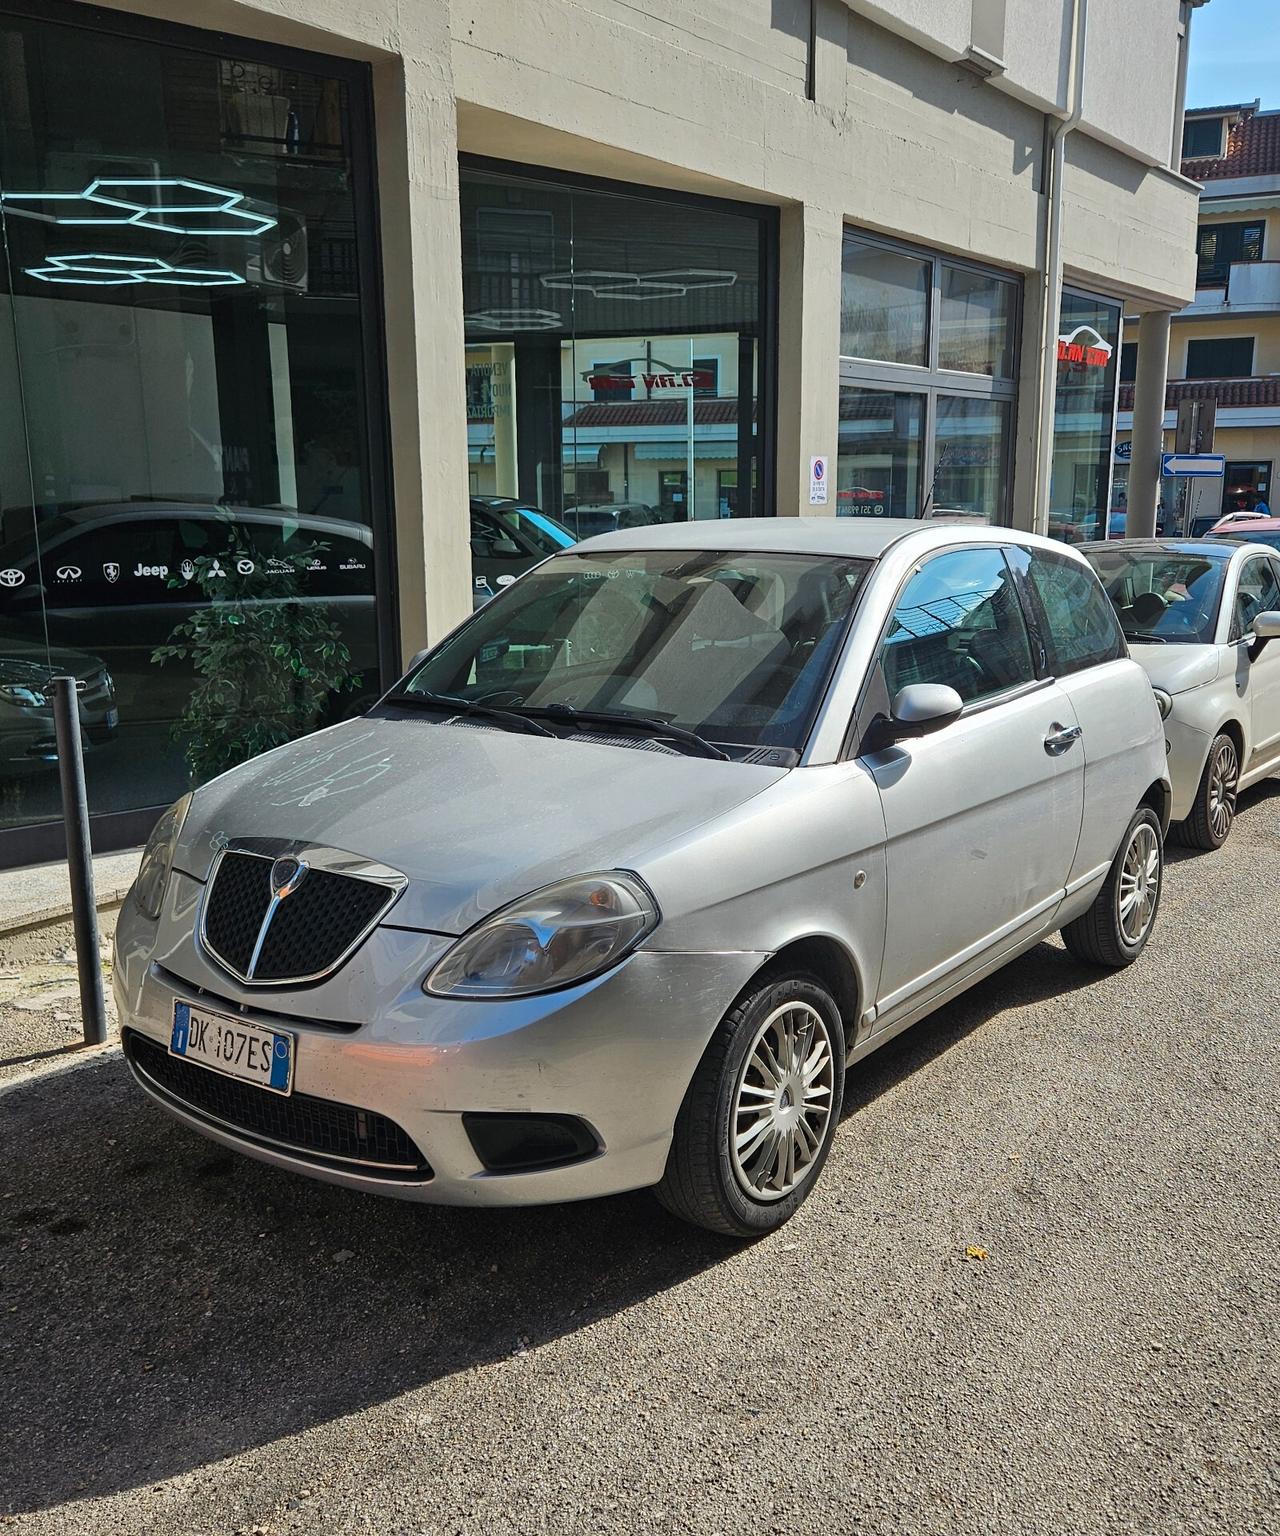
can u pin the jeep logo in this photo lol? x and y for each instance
(152, 570)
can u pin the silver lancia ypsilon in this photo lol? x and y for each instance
(614, 885)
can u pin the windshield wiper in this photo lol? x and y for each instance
(420, 699)
(649, 724)
(1146, 635)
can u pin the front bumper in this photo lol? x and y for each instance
(616, 1053)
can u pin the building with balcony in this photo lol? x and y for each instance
(285, 287)
(1225, 345)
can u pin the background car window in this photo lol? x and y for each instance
(1257, 592)
(1082, 627)
(1162, 594)
(959, 622)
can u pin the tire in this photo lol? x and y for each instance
(1106, 935)
(1214, 811)
(748, 1190)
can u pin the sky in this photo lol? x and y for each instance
(1235, 53)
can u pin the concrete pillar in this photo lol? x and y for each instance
(808, 352)
(1148, 423)
(426, 369)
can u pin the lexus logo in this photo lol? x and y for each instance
(69, 573)
(111, 571)
(12, 577)
(287, 875)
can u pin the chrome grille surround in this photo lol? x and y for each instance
(328, 862)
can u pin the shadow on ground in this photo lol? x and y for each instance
(164, 1304)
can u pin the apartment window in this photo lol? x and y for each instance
(1128, 362)
(1218, 245)
(929, 354)
(1226, 358)
(1202, 138)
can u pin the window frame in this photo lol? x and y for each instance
(930, 379)
(1218, 341)
(1209, 275)
(1043, 626)
(1237, 635)
(1203, 154)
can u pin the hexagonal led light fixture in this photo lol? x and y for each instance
(172, 204)
(97, 269)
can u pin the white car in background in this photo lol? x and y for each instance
(1200, 615)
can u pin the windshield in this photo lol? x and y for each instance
(736, 648)
(1162, 594)
(543, 532)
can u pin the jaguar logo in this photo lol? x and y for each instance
(287, 874)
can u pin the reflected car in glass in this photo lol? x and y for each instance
(27, 742)
(610, 889)
(1200, 616)
(507, 538)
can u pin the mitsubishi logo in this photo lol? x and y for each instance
(287, 874)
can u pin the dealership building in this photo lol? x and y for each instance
(292, 307)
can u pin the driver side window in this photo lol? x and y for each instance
(959, 622)
(1256, 593)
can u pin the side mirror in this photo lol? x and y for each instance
(416, 660)
(1265, 626)
(919, 709)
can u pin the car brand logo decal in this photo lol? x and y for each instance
(111, 571)
(69, 573)
(287, 874)
(188, 569)
(12, 577)
(244, 566)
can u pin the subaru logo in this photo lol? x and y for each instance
(286, 876)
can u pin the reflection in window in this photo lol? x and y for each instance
(884, 304)
(971, 450)
(881, 446)
(1088, 337)
(976, 323)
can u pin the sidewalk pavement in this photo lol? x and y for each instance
(42, 893)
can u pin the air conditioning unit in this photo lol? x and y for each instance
(280, 260)
(71, 170)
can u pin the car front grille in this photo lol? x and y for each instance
(307, 935)
(320, 1131)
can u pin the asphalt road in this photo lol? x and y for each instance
(192, 1343)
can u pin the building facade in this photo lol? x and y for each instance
(319, 324)
(1225, 345)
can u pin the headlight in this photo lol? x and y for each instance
(157, 856)
(1164, 702)
(23, 683)
(558, 936)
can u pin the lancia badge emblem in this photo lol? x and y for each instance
(286, 876)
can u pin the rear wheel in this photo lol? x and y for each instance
(1115, 929)
(1214, 810)
(756, 1124)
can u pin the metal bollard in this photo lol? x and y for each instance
(75, 815)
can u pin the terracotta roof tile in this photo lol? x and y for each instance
(1227, 392)
(653, 413)
(1253, 149)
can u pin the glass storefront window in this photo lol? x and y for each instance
(1088, 359)
(927, 384)
(881, 453)
(187, 483)
(884, 304)
(976, 331)
(614, 362)
(972, 450)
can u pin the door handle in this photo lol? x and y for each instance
(1060, 738)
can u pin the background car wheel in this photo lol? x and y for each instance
(757, 1121)
(1115, 929)
(1215, 804)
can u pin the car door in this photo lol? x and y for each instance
(1258, 591)
(1086, 652)
(982, 816)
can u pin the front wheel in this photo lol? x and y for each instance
(757, 1121)
(1215, 804)
(1115, 929)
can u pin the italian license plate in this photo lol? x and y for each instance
(250, 1052)
(112, 719)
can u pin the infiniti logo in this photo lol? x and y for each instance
(287, 875)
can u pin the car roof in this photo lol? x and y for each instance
(1218, 548)
(1257, 525)
(859, 538)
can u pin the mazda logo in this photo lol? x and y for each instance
(287, 874)
(11, 577)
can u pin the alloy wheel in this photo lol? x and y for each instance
(782, 1103)
(1139, 883)
(1224, 776)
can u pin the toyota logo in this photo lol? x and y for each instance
(12, 577)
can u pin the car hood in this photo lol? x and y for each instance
(57, 661)
(1175, 668)
(476, 817)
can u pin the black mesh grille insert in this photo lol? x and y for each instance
(319, 1129)
(236, 904)
(312, 928)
